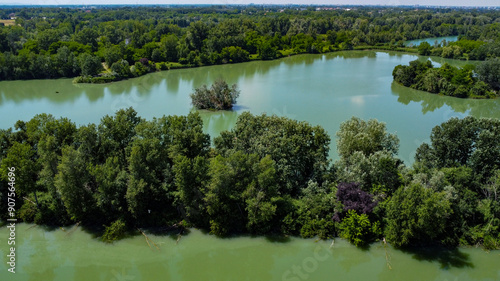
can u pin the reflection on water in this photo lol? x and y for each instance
(324, 89)
(432, 102)
(74, 254)
(433, 41)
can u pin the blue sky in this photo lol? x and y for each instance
(354, 2)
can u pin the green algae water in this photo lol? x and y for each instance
(73, 254)
(320, 89)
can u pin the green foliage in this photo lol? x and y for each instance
(314, 210)
(89, 64)
(469, 141)
(424, 49)
(115, 231)
(191, 178)
(322, 228)
(365, 137)
(121, 68)
(20, 156)
(489, 72)
(358, 229)
(447, 80)
(75, 185)
(235, 54)
(378, 172)
(417, 214)
(267, 175)
(214, 35)
(220, 96)
(240, 194)
(299, 150)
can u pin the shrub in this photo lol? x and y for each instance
(219, 96)
(357, 229)
(114, 232)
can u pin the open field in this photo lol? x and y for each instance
(8, 22)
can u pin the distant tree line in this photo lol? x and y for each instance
(108, 44)
(465, 82)
(267, 175)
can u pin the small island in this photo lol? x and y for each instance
(467, 82)
(220, 96)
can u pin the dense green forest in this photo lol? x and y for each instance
(466, 82)
(108, 44)
(268, 175)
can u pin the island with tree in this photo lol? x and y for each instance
(220, 96)
(468, 81)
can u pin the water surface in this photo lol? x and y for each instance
(433, 41)
(73, 254)
(320, 89)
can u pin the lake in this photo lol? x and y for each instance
(73, 254)
(322, 89)
(431, 41)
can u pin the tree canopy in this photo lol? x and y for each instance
(268, 175)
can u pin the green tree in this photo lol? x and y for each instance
(169, 45)
(416, 214)
(66, 62)
(21, 157)
(191, 179)
(149, 187)
(112, 54)
(358, 229)
(90, 65)
(299, 150)
(240, 194)
(87, 36)
(115, 133)
(260, 197)
(121, 68)
(489, 72)
(76, 186)
(111, 180)
(367, 137)
(424, 49)
(220, 96)
(266, 51)
(230, 178)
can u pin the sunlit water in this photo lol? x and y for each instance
(321, 89)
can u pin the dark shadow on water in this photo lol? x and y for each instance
(278, 238)
(170, 232)
(446, 257)
(364, 247)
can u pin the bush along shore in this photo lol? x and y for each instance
(268, 175)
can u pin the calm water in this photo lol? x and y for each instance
(75, 255)
(321, 89)
(431, 41)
